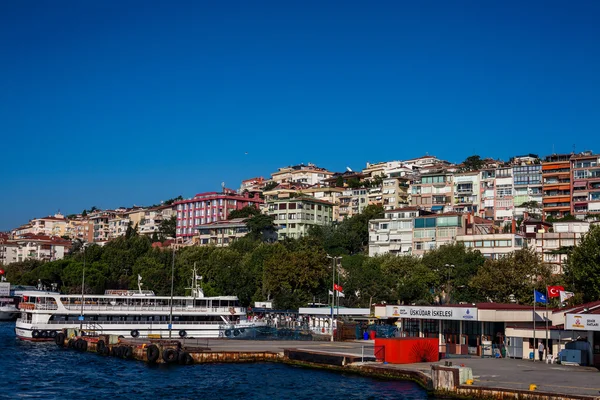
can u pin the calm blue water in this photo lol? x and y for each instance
(43, 371)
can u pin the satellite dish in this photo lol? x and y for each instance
(349, 169)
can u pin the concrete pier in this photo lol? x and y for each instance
(491, 378)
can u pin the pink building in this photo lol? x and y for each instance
(208, 207)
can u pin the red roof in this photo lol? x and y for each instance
(592, 307)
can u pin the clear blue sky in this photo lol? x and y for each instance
(111, 103)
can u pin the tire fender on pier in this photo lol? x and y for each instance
(152, 352)
(170, 356)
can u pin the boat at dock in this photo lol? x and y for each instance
(132, 314)
(9, 300)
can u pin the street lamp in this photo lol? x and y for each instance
(82, 291)
(172, 284)
(334, 260)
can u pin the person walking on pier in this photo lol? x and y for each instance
(541, 350)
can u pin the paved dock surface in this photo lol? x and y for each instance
(509, 373)
(356, 348)
(503, 373)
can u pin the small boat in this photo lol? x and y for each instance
(132, 314)
(8, 308)
(9, 300)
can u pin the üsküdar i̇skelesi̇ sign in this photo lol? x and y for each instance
(583, 322)
(426, 312)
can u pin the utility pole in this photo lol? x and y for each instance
(82, 292)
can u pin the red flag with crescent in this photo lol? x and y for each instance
(554, 291)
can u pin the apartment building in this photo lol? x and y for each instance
(585, 175)
(527, 187)
(295, 215)
(22, 230)
(493, 246)
(221, 233)
(253, 185)
(31, 246)
(326, 193)
(309, 174)
(117, 226)
(419, 163)
(433, 231)
(393, 233)
(466, 192)
(80, 228)
(433, 191)
(8, 250)
(52, 225)
(556, 185)
(208, 207)
(353, 202)
(100, 219)
(487, 192)
(553, 245)
(503, 195)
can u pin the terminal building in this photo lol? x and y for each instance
(507, 329)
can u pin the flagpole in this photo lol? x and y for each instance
(547, 300)
(534, 349)
(338, 295)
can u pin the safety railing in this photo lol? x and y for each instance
(109, 307)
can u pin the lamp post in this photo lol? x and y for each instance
(172, 284)
(82, 292)
(333, 267)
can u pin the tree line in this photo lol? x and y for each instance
(295, 272)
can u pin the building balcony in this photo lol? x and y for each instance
(566, 208)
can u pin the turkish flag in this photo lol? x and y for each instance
(554, 291)
(337, 287)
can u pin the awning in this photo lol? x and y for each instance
(437, 208)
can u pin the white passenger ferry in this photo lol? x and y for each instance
(132, 314)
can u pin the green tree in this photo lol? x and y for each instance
(339, 181)
(270, 186)
(408, 279)
(472, 163)
(246, 212)
(454, 266)
(260, 226)
(512, 277)
(131, 230)
(167, 228)
(582, 268)
(173, 200)
(364, 282)
(294, 278)
(354, 183)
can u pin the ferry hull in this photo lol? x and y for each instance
(47, 332)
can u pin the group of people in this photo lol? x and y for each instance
(282, 320)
